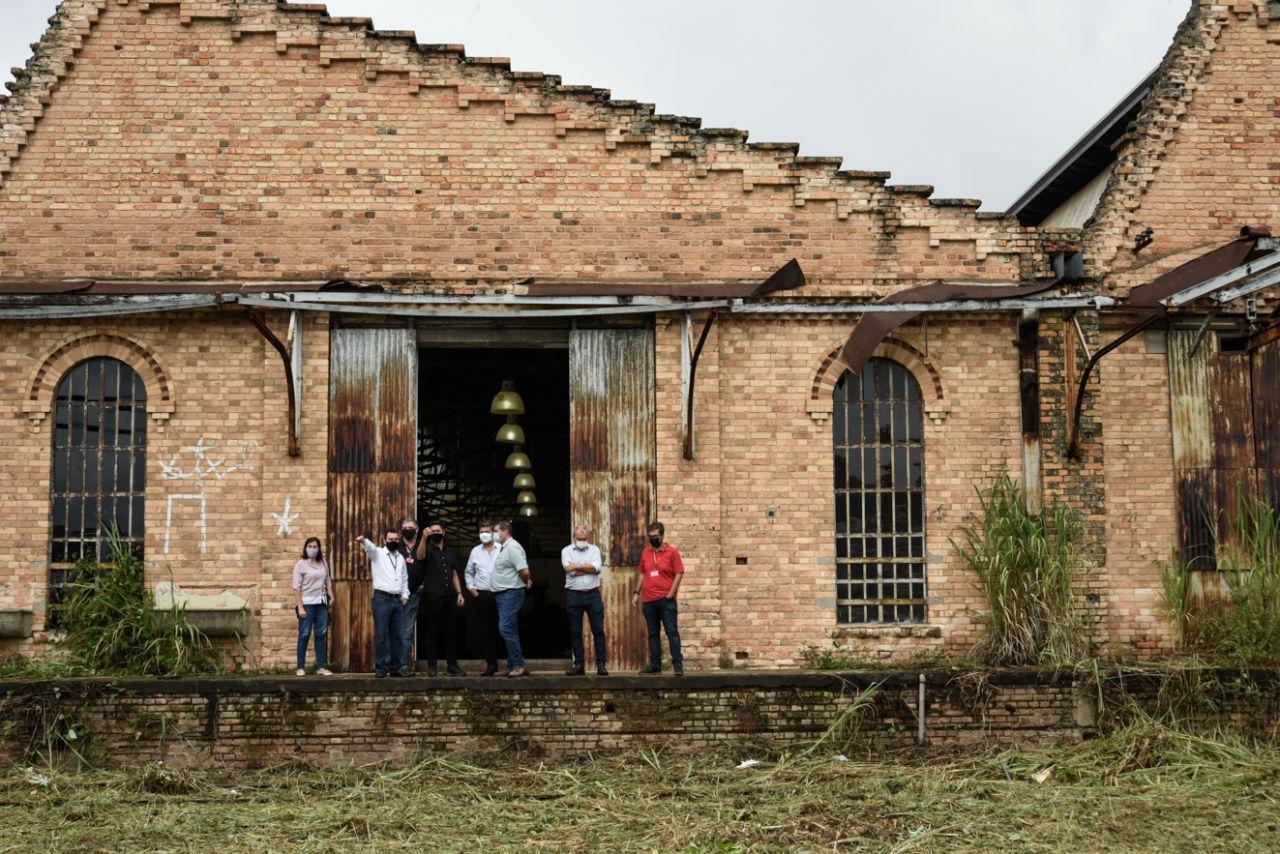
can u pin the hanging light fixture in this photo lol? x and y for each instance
(526, 497)
(510, 433)
(507, 401)
(518, 460)
(528, 510)
(524, 480)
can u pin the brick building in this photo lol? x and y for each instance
(317, 250)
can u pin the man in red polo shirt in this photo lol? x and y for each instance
(657, 580)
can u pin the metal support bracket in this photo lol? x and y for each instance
(1073, 433)
(291, 384)
(693, 376)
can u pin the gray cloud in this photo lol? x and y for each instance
(975, 97)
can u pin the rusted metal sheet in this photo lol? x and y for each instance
(373, 419)
(1232, 410)
(1189, 399)
(613, 449)
(1265, 367)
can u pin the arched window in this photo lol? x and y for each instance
(877, 431)
(99, 463)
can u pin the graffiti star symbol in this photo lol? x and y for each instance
(285, 520)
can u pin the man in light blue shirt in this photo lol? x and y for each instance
(582, 565)
(478, 574)
(509, 581)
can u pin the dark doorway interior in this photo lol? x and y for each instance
(462, 477)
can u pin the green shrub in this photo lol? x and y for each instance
(110, 625)
(1027, 565)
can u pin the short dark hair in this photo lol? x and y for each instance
(319, 547)
(504, 525)
(657, 526)
(486, 523)
(392, 529)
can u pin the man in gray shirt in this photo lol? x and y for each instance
(509, 580)
(582, 564)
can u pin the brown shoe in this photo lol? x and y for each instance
(517, 672)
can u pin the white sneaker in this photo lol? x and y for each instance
(301, 672)
(323, 672)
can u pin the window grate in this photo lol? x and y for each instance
(878, 438)
(99, 465)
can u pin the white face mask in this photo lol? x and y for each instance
(582, 544)
(486, 537)
(312, 552)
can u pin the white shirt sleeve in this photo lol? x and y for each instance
(403, 570)
(596, 560)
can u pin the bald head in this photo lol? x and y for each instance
(581, 533)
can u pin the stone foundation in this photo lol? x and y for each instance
(250, 723)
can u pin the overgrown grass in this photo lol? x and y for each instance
(1243, 625)
(838, 656)
(110, 625)
(1027, 565)
(1143, 788)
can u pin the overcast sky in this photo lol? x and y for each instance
(976, 97)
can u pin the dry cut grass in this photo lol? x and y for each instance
(1144, 788)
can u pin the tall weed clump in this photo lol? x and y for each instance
(1242, 623)
(1027, 565)
(110, 625)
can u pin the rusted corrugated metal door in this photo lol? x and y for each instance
(373, 429)
(1212, 410)
(613, 455)
(1265, 364)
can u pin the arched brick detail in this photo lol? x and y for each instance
(830, 368)
(43, 385)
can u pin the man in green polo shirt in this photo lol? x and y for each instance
(509, 581)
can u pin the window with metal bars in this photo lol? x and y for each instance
(878, 437)
(99, 465)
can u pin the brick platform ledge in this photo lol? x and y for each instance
(342, 720)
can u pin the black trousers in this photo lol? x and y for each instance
(437, 628)
(589, 602)
(487, 613)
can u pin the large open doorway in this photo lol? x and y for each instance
(462, 478)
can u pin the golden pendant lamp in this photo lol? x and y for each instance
(507, 401)
(510, 433)
(524, 480)
(526, 497)
(528, 510)
(518, 460)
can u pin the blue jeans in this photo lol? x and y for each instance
(664, 612)
(409, 621)
(316, 621)
(509, 604)
(388, 649)
(591, 603)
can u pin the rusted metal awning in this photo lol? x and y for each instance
(788, 277)
(873, 327)
(1219, 268)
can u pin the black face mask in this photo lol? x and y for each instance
(408, 535)
(395, 546)
(655, 541)
(436, 539)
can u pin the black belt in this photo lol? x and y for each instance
(385, 593)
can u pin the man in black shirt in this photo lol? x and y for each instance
(411, 546)
(441, 599)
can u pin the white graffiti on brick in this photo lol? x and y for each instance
(285, 519)
(205, 466)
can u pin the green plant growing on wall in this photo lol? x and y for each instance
(1027, 565)
(1242, 625)
(110, 625)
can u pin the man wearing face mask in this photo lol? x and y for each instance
(582, 564)
(390, 595)
(442, 597)
(413, 566)
(478, 574)
(658, 579)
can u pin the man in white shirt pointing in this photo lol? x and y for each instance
(582, 564)
(390, 593)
